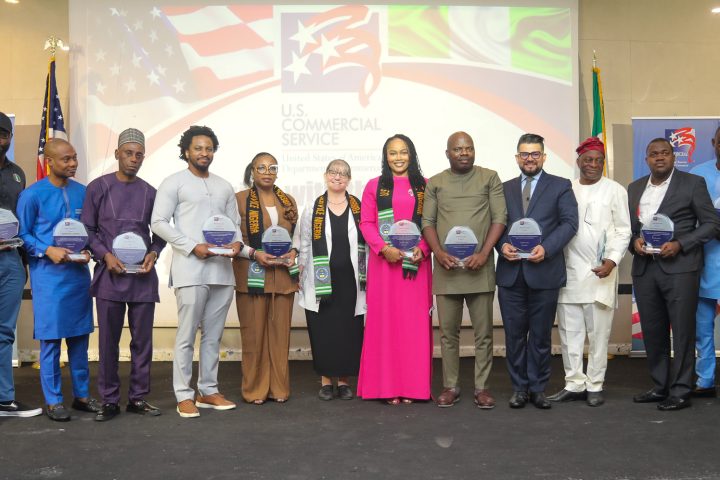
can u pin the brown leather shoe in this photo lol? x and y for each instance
(216, 401)
(448, 397)
(484, 399)
(187, 409)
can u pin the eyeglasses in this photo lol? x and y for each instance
(337, 173)
(270, 169)
(5, 135)
(534, 155)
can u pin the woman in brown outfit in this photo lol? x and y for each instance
(264, 290)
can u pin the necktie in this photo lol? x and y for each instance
(526, 193)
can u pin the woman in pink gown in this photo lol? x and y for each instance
(397, 349)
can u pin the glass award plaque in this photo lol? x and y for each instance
(276, 241)
(660, 229)
(219, 230)
(600, 251)
(130, 249)
(71, 234)
(9, 227)
(461, 242)
(404, 235)
(525, 234)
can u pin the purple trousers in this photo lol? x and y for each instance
(111, 317)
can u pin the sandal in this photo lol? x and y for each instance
(258, 402)
(393, 401)
(407, 401)
(280, 400)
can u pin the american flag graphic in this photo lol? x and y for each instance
(52, 123)
(682, 140)
(333, 51)
(188, 53)
(166, 68)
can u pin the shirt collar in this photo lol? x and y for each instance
(663, 183)
(535, 177)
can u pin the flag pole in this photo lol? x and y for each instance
(598, 125)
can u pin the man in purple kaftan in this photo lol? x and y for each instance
(118, 204)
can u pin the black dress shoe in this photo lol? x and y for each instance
(650, 396)
(539, 400)
(141, 407)
(567, 396)
(673, 403)
(58, 413)
(326, 392)
(345, 392)
(518, 399)
(595, 399)
(91, 405)
(704, 392)
(108, 411)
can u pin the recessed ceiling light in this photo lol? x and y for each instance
(12, 1)
(715, 10)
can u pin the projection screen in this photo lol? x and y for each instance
(310, 83)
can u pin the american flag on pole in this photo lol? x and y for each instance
(52, 124)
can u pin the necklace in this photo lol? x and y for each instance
(337, 203)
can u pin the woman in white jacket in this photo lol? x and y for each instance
(332, 281)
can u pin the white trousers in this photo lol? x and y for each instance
(203, 307)
(575, 321)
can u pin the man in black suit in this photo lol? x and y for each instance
(528, 288)
(666, 283)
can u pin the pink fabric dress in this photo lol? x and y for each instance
(396, 357)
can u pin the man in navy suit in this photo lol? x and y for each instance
(528, 288)
(666, 283)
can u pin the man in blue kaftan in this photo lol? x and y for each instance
(60, 286)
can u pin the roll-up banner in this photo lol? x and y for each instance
(691, 139)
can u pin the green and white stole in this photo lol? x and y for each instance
(254, 224)
(321, 259)
(386, 218)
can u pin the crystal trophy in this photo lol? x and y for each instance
(71, 234)
(276, 241)
(404, 235)
(525, 234)
(660, 229)
(219, 230)
(9, 227)
(130, 249)
(461, 242)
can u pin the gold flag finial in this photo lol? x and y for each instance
(594, 60)
(53, 43)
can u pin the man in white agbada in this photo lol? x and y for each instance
(587, 303)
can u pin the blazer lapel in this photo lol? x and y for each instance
(635, 194)
(516, 196)
(672, 188)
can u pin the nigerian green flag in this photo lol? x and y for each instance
(598, 124)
